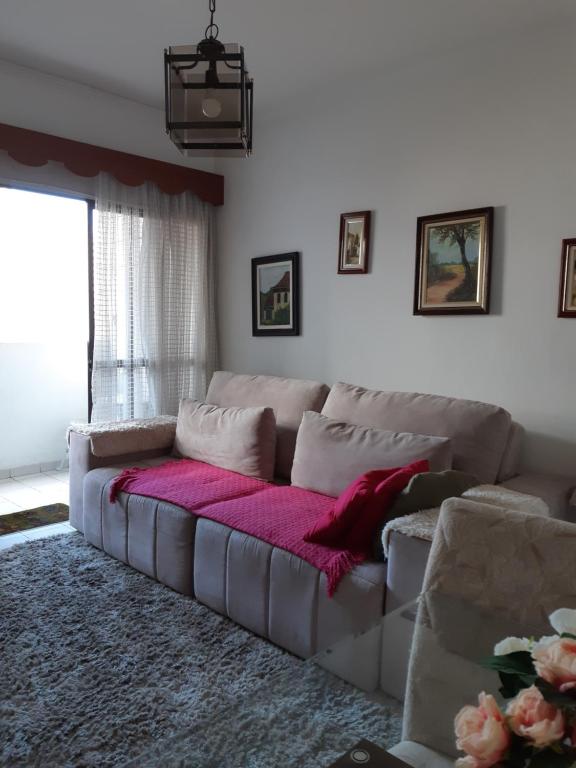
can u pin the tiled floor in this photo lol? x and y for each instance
(28, 492)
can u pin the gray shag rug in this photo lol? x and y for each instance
(102, 666)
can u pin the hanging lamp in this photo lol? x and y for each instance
(208, 96)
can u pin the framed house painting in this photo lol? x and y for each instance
(453, 254)
(276, 295)
(354, 243)
(567, 300)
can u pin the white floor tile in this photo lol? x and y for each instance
(8, 486)
(27, 498)
(41, 482)
(44, 531)
(10, 539)
(7, 507)
(51, 491)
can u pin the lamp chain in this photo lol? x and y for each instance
(212, 28)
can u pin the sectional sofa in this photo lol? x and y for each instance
(262, 587)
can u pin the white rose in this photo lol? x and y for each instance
(544, 641)
(564, 620)
(511, 645)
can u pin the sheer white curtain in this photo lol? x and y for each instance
(154, 300)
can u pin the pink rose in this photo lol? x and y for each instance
(482, 733)
(556, 663)
(530, 716)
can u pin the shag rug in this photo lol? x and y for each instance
(102, 666)
(32, 518)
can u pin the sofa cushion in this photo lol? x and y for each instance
(240, 439)
(479, 432)
(429, 489)
(424, 492)
(362, 507)
(288, 397)
(330, 454)
(117, 438)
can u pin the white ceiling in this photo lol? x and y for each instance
(117, 45)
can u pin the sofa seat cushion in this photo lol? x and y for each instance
(262, 587)
(155, 537)
(288, 397)
(479, 432)
(279, 515)
(419, 756)
(278, 595)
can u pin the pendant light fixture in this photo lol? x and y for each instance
(208, 96)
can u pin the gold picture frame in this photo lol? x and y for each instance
(453, 257)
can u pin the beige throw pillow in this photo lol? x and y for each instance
(330, 454)
(240, 439)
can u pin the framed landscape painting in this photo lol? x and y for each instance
(567, 301)
(453, 253)
(276, 295)
(354, 243)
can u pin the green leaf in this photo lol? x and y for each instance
(517, 663)
(513, 684)
(567, 634)
(554, 696)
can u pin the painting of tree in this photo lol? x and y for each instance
(453, 252)
(459, 234)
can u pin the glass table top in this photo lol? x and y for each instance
(310, 712)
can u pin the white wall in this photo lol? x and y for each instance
(493, 126)
(43, 387)
(39, 102)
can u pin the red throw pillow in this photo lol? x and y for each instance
(362, 507)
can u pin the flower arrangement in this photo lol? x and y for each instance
(537, 729)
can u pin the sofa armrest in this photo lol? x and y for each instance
(103, 445)
(555, 490)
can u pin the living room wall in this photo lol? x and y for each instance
(464, 129)
(54, 105)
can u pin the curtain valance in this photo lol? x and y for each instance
(35, 149)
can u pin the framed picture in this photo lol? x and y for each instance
(354, 243)
(567, 300)
(276, 295)
(453, 253)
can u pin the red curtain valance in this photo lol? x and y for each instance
(33, 148)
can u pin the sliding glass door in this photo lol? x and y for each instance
(44, 324)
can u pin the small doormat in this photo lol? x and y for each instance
(33, 518)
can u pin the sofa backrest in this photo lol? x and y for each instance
(479, 432)
(512, 453)
(288, 397)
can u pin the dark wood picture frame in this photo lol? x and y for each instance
(461, 284)
(567, 292)
(281, 315)
(354, 246)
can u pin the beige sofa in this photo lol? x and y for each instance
(264, 588)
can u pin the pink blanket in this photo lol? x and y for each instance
(279, 515)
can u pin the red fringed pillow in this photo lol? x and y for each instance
(362, 507)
